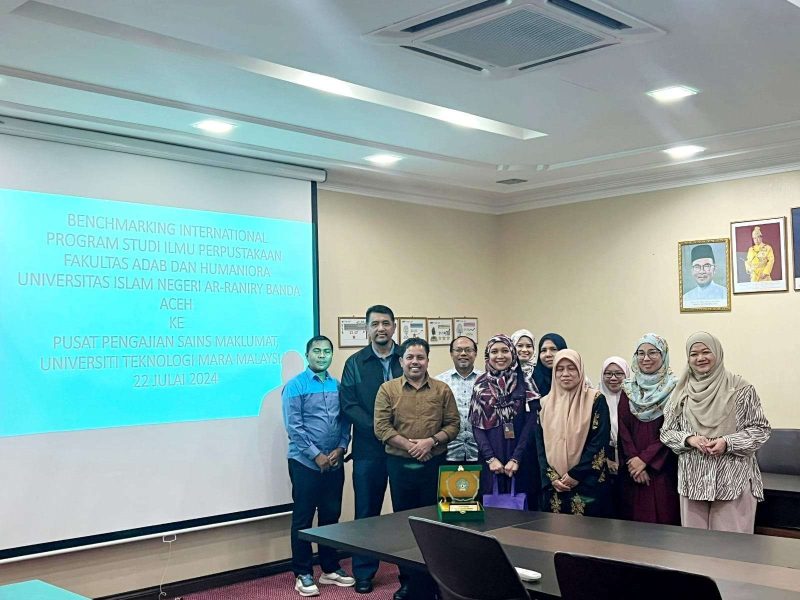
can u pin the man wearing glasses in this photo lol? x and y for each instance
(708, 292)
(461, 378)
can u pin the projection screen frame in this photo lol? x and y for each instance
(12, 126)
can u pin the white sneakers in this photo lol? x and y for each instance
(339, 578)
(304, 584)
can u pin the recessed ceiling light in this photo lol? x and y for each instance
(325, 84)
(384, 160)
(212, 126)
(672, 93)
(684, 151)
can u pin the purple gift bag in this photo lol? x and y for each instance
(514, 501)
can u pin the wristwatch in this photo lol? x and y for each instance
(435, 441)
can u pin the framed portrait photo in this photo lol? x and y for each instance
(703, 277)
(412, 327)
(796, 246)
(440, 331)
(467, 326)
(352, 332)
(759, 256)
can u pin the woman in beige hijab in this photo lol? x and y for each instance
(715, 424)
(573, 443)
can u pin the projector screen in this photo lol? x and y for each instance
(151, 312)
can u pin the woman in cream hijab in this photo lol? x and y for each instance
(572, 443)
(715, 424)
(525, 344)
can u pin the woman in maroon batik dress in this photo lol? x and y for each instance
(648, 469)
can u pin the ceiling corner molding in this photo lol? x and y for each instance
(457, 200)
(560, 195)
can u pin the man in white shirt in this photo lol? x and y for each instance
(461, 378)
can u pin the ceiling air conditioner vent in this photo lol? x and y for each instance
(591, 15)
(506, 38)
(451, 16)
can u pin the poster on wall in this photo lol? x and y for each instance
(796, 246)
(759, 256)
(703, 276)
(352, 332)
(412, 327)
(467, 326)
(441, 332)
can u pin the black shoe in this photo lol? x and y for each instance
(402, 593)
(363, 586)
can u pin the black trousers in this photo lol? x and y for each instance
(414, 484)
(314, 492)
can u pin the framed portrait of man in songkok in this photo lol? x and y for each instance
(703, 275)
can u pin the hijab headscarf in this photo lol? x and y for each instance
(566, 417)
(710, 407)
(527, 367)
(498, 395)
(648, 393)
(542, 374)
(612, 398)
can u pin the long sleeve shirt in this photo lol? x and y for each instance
(312, 417)
(464, 447)
(705, 477)
(363, 374)
(415, 413)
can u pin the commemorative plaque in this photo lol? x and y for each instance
(459, 489)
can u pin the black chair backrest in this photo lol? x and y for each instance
(466, 565)
(582, 577)
(779, 454)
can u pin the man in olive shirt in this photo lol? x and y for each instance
(415, 418)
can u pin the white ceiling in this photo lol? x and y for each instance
(152, 68)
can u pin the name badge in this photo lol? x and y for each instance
(508, 431)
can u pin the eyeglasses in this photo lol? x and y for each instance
(704, 268)
(463, 350)
(614, 375)
(651, 354)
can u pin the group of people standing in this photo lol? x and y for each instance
(645, 445)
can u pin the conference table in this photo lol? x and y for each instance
(744, 566)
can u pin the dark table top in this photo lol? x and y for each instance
(744, 566)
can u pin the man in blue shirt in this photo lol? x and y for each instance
(318, 437)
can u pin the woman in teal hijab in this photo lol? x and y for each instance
(648, 469)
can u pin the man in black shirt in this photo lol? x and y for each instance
(365, 372)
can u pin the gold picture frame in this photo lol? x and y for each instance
(704, 282)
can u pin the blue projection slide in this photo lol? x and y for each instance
(117, 314)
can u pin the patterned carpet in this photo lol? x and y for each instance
(281, 587)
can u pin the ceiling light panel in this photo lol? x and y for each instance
(214, 126)
(679, 152)
(383, 160)
(672, 93)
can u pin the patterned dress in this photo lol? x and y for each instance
(592, 495)
(705, 477)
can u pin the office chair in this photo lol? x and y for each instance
(466, 564)
(779, 454)
(582, 577)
